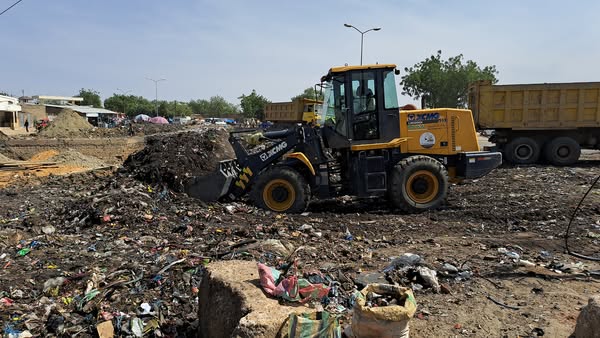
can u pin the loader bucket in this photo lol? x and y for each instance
(212, 187)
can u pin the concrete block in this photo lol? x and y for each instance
(588, 322)
(232, 303)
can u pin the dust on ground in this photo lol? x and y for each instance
(101, 246)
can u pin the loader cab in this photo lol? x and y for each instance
(360, 105)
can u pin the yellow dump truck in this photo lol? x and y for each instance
(533, 123)
(292, 112)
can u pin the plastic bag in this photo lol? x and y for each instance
(312, 325)
(384, 321)
(290, 288)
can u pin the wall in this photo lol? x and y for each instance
(37, 111)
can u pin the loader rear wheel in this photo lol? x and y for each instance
(418, 183)
(522, 150)
(562, 151)
(281, 189)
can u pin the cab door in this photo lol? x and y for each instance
(373, 106)
(388, 98)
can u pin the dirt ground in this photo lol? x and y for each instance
(100, 246)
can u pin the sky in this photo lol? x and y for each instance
(279, 48)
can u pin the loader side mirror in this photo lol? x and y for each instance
(397, 71)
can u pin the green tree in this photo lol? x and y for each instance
(173, 109)
(216, 106)
(90, 98)
(129, 104)
(253, 105)
(163, 109)
(444, 83)
(310, 93)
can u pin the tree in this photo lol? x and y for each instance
(309, 93)
(129, 104)
(216, 106)
(253, 105)
(90, 98)
(444, 83)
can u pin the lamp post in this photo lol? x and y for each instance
(156, 92)
(124, 92)
(362, 34)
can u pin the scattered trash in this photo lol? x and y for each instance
(290, 288)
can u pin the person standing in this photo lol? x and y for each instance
(26, 125)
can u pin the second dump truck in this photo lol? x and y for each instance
(297, 110)
(549, 122)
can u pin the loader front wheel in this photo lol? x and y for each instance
(418, 183)
(281, 189)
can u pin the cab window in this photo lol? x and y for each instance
(335, 110)
(390, 97)
(365, 120)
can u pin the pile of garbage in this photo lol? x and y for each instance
(173, 158)
(67, 123)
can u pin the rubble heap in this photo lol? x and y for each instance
(172, 158)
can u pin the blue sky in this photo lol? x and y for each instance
(228, 48)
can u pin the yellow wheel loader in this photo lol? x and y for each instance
(363, 145)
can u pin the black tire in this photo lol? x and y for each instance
(522, 150)
(562, 151)
(418, 183)
(281, 189)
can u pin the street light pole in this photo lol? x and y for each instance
(362, 34)
(156, 92)
(124, 92)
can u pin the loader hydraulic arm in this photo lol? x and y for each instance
(250, 164)
(233, 178)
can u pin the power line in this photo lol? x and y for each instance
(13, 5)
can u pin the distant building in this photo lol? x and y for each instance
(14, 112)
(59, 100)
(10, 113)
(98, 117)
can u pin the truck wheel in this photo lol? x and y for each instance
(522, 150)
(562, 151)
(281, 189)
(418, 183)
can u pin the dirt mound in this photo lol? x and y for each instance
(44, 155)
(5, 159)
(75, 158)
(173, 158)
(68, 123)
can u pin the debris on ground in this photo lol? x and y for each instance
(110, 251)
(173, 158)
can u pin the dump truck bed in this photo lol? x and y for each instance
(536, 106)
(289, 111)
